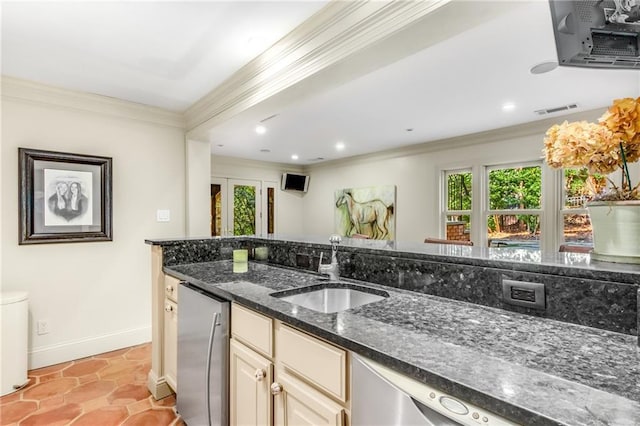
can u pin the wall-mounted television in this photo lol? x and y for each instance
(291, 181)
(597, 33)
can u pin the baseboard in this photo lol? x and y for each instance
(158, 386)
(54, 354)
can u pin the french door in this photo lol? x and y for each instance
(242, 207)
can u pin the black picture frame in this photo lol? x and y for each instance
(64, 197)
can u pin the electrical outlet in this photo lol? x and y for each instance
(523, 293)
(43, 326)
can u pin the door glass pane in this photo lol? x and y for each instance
(515, 188)
(514, 230)
(244, 210)
(216, 210)
(271, 213)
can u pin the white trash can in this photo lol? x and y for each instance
(14, 334)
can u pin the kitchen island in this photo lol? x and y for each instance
(528, 369)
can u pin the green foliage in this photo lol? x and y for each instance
(244, 210)
(516, 188)
(459, 191)
(578, 182)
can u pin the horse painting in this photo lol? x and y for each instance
(370, 217)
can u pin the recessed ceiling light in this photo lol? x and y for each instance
(508, 106)
(261, 130)
(294, 157)
(340, 146)
(543, 67)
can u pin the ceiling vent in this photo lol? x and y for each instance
(556, 109)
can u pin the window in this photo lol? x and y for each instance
(458, 205)
(514, 200)
(577, 187)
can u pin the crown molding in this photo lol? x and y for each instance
(29, 91)
(237, 161)
(337, 31)
(535, 128)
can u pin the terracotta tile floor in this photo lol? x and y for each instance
(103, 390)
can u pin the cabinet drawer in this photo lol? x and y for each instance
(171, 287)
(253, 329)
(320, 363)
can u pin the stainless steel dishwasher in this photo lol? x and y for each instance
(203, 358)
(383, 397)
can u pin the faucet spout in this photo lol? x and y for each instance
(331, 269)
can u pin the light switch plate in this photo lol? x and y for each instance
(163, 215)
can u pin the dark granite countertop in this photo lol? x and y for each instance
(533, 371)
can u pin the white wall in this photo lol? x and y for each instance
(96, 296)
(289, 219)
(198, 188)
(415, 171)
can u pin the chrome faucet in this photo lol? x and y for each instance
(332, 269)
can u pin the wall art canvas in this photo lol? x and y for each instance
(64, 197)
(367, 212)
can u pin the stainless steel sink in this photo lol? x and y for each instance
(331, 297)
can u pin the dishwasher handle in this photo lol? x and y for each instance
(214, 324)
(431, 416)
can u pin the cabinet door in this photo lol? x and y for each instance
(249, 379)
(298, 404)
(170, 347)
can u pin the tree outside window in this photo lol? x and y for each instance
(515, 207)
(458, 205)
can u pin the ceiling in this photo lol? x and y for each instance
(159, 53)
(170, 54)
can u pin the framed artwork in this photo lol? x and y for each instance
(64, 197)
(366, 212)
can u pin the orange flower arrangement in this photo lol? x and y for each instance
(601, 147)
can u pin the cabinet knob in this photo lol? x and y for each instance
(276, 388)
(260, 374)
(168, 308)
(169, 289)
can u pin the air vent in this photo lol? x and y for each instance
(556, 109)
(316, 159)
(585, 10)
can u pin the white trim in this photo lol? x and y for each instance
(336, 32)
(31, 92)
(67, 351)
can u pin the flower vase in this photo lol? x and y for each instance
(616, 231)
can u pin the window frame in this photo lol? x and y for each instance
(550, 201)
(486, 211)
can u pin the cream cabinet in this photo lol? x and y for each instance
(282, 376)
(170, 341)
(297, 403)
(162, 380)
(250, 377)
